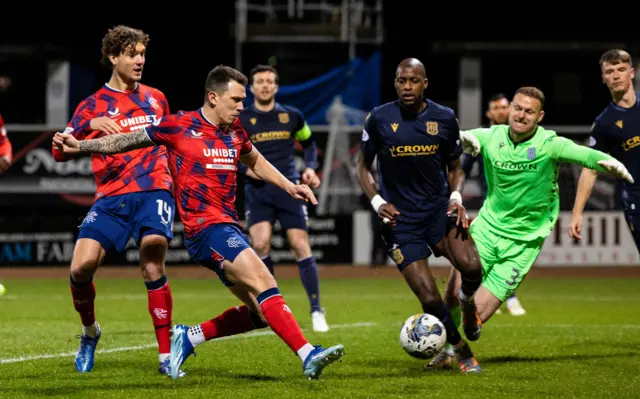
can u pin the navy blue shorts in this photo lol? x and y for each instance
(412, 240)
(269, 203)
(113, 220)
(211, 246)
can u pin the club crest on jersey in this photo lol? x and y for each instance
(253, 121)
(432, 128)
(154, 103)
(283, 117)
(531, 153)
(394, 126)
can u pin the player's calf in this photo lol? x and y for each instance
(247, 270)
(87, 256)
(153, 248)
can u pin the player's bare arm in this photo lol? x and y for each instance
(386, 211)
(264, 170)
(586, 182)
(455, 177)
(112, 144)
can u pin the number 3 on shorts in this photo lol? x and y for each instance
(165, 208)
(512, 280)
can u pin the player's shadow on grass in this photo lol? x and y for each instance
(542, 359)
(253, 377)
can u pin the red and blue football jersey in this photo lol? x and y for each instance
(5, 144)
(134, 171)
(203, 158)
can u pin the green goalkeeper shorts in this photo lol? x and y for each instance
(505, 262)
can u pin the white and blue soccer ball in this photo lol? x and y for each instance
(423, 336)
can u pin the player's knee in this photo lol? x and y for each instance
(84, 265)
(469, 263)
(300, 247)
(261, 244)
(153, 249)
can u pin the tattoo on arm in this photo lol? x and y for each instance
(117, 143)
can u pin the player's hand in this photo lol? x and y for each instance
(66, 143)
(470, 143)
(4, 164)
(387, 212)
(105, 124)
(575, 227)
(616, 167)
(302, 192)
(310, 178)
(456, 208)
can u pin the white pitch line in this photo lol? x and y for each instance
(147, 346)
(561, 325)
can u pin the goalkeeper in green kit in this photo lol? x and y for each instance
(521, 167)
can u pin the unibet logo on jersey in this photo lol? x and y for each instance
(222, 158)
(137, 122)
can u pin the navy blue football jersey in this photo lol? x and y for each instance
(616, 131)
(273, 134)
(412, 152)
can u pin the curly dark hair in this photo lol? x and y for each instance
(119, 39)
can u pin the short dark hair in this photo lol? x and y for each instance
(496, 97)
(264, 68)
(219, 78)
(532, 92)
(615, 56)
(119, 39)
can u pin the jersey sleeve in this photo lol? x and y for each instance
(5, 144)
(562, 149)
(246, 147)
(453, 146)
(165, 104)
(371, 141)
(165, 131)
(481, 134)
(302, 133)
(79, 126)
(598, 138)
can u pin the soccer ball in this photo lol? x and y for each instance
(423, 336)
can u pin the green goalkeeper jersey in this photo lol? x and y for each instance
(522, 198)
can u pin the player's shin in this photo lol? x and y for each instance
(439, 310)
(160, 304)
(282, 322)
(269, 263)
(84, 294)
(235, 320)
(309, 276)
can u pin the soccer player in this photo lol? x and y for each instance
(6, 150)
(522, 205)
(272, 128)
(498, 114)
(417, 144)
(205, 147)
(133, 196)
(615, 131)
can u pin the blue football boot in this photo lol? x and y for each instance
(85, 355)
(319, 358)
(181, 348)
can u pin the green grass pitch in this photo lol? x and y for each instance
(580, 338)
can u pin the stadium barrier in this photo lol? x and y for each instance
(46, 236)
